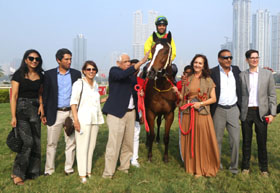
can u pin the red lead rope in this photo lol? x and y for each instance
(191, 128)
(141, 105)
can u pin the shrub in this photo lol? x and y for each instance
(4, 95)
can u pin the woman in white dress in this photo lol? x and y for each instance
(87, 116)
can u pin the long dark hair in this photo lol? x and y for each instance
(206, 71)
(23, 67)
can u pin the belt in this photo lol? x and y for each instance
(253, 108)
(226, 106)
(64, 109)
(128, 110)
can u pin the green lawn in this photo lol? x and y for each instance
(151, 177)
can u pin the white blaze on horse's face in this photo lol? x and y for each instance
(157, 49)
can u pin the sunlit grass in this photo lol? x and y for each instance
(151, 177)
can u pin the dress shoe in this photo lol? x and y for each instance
(68, 173)
(107, 176)
(265, 174)
(245, 172)
(124, 171)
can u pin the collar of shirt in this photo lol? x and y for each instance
(67, 72)
(222, 70)
(250, 72)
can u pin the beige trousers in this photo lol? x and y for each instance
(120, 142)
(85, 143)
(52, 140)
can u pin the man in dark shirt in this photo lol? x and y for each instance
(120, 111)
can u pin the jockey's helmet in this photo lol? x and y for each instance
(161, 20)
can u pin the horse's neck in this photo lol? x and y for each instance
(163, 82)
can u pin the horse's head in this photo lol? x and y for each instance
(161, 53)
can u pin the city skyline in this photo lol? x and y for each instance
(241, 31)
(141, 31)
(79, 51)
(197, 27)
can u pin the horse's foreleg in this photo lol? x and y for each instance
(151, 121)
(168, 122)
(158, 128)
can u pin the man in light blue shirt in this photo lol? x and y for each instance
(56, 98)
(64, 88)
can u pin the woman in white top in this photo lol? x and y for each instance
(85, 105)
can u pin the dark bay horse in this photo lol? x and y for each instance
(159, 98)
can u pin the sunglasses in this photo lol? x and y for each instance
(226, 57)
(32, 58)
(91, 69)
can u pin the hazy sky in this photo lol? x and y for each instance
(197, 26)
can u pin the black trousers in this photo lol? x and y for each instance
(28, 162)
(261, 135)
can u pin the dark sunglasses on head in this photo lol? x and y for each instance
(226, 57)
(91, 69)
(32, 58)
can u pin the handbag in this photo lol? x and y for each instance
(69, 125)
(14, 141)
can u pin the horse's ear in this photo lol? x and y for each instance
(155, 38)
(169, 37)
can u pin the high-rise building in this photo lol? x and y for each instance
(275, 42)
(241, 31)
(142, 31)
(261, 36)
(227, 45)
(79, 51)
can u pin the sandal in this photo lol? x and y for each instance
(18, 181)
(88, 175)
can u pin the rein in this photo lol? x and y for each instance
(191, 127)
(141, 103)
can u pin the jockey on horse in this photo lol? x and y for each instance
(161, 23)
(161, 26)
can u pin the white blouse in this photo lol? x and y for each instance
(89, 111)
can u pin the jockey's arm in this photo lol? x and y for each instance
(148, 46)
(173, 46)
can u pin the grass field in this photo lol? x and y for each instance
(151, 177)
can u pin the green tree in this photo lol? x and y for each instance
(1, 72)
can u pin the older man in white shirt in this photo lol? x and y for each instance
(225, 111)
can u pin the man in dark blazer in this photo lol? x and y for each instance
(121, 114)
(56, 98)
(258, 104)
(225, 111)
